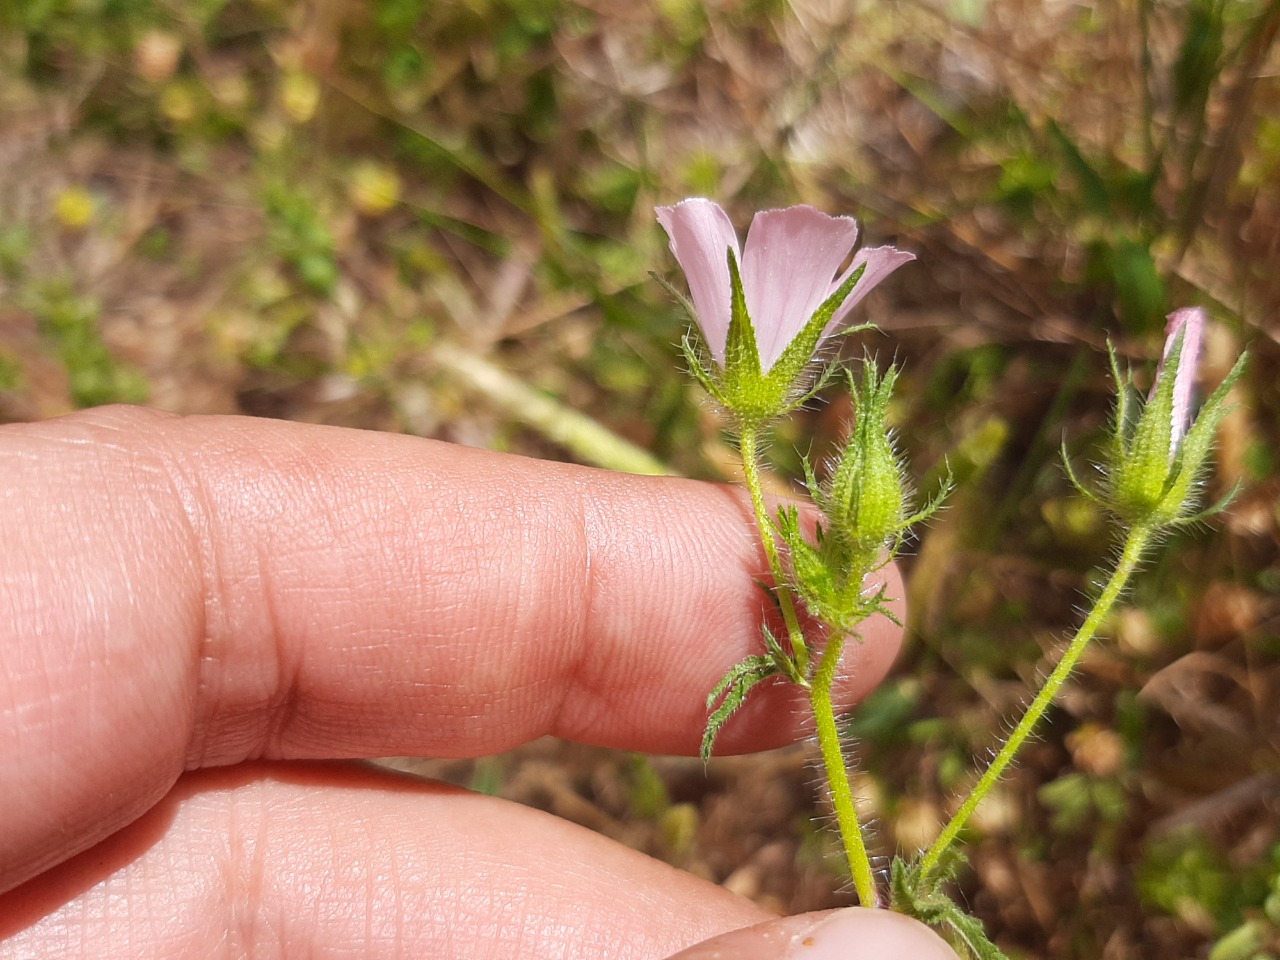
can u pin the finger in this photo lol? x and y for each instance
(178, 593)
(330, 861)
(855, 933)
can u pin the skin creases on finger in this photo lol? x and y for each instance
(193, 592)
(341, 860)
(347, 593)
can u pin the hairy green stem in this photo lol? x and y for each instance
(1135, 543)
(820, 686)
(824, 716)
(748, 442)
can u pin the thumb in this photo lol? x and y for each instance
(855, 933)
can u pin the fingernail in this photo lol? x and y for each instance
(854, 933)
(857, 932)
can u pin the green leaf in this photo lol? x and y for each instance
(1093, 188)
(1141, 477)
(1197, 66)
(1138, 283)
(924, 899)
(783, 662)
(731, 692)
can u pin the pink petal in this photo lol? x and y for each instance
(1190, 322)
(788, 269)
(880, 261)
(701, 236)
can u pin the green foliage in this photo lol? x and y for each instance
(1132, 200)
(62, 36)
(1199, 60)
(10, 372)
(1096, 191)
(925, 898)
(648, 796)
(1184, 874)
(70, 322)
(298, 234)
(1077, 800)
(886, 716)
(15, 248)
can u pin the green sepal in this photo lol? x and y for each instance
(1126, 402)
(731, 692)
(752, 395)
(1075, 481)
(826, 374)
(690, 314)
(1193, 452)
(924, 899)
(692, 355)
(744, 389)
(1219, 505)
(935, 503)
(1140, 476)
(1148, 486)
(849, 331)
(699, 369)
(741, 354)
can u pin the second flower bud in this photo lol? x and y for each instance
(865, 505)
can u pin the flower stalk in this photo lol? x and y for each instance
(819, 687)
(1135, 544)
(748, 446)
(837, 772)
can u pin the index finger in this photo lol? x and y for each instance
(178, 593)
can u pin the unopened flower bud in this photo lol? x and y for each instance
(1159, 451)
(865, 507)
(866, 504)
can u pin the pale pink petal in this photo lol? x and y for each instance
(880, 261)
(788, 269)
(1190, 322)
(701, 237)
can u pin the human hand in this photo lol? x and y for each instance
(187, 604)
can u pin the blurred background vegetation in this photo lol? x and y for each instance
(436, 218)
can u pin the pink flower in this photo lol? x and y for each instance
(1189, 321)
(789, 268)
